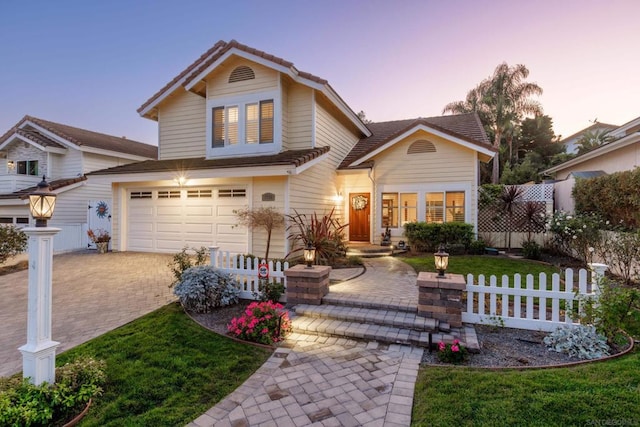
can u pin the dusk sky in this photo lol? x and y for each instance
(91, 64)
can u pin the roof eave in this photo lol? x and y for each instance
(487, 151)
(607, 148)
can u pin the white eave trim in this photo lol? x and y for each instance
(431, 130)
(18, 200)
(307, 165)
(289, 71)
(607, 148)
(622, 129)
(170, 90)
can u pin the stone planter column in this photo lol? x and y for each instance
(307, 285)
(441, 298)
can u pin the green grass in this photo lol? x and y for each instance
(605, 393)
(482, 264)
(165, 370)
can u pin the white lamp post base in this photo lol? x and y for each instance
(39, 362)
(39, 353)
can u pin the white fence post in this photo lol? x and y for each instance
(597, 274)
(213, 251)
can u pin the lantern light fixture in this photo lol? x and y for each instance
(441, 259)
(309, 254)
(42, 203)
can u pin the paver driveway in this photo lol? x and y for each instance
(92, 294)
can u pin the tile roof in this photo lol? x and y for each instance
(53, 185)
(81, 137)
(212, 55)
(37, 138)
(464, 126)
(286, 158)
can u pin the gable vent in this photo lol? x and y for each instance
(241, 73)
(421, 146)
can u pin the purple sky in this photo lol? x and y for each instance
(91, 64)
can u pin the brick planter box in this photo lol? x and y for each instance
(307, 285)
(441, 298)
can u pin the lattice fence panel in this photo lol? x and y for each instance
(491, 220)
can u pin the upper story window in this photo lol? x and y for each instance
(245, 123)
(27, 167)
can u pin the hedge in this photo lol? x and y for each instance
(614, 198)
(425, 237)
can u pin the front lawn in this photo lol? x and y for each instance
(482, 264)
(165, 370)
(605, 393)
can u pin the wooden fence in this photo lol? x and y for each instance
(532, 304)
(246, 271)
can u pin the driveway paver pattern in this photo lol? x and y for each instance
(92, 294)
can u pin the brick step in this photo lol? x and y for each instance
(358, 331)
(352, 300)
(383, 317)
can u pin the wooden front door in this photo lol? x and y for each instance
(359, 216)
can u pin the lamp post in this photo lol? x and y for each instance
(309, 254)
(39, 353)
(441, 259)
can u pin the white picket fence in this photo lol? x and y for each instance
(534, 306)
(245, 270)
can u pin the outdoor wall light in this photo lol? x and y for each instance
(181, 180)
(338, 198)
(42, 203)
(11, 165)
(442, 261)
(309, 254)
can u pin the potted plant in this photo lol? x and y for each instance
(100, 238)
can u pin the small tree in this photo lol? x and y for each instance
(267, 218)
(12, 242)
(507, 203)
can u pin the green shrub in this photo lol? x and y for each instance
(183, 260)
(24, 404)
(269, 290)
(427, 237)
(577, 235)
(12, 242)
(615, 197)
(531, 250)
(477, 247)
(204, 288)
(452, 353)
(616, 309)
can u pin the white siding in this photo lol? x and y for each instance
(182, 125)
(314, 190)
(66, 165)
(331, 132)
(626, 158)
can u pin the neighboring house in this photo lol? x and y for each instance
(240, 127)
(34, 148)
(571, 142)
(621, 154)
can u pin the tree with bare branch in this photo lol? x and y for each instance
(266, 218)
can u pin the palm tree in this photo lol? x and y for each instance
(501, 101)
(593, 139)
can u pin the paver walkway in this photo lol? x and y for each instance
(92, 294)
(324, 381)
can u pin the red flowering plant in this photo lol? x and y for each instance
(452, 353)
(262, 322)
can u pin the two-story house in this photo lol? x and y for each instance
(34, 148)
(240, 127)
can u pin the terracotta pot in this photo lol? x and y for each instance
(78, 417)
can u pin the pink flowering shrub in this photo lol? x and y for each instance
(452, 353)
(263, 322)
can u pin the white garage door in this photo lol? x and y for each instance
(166, 220)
